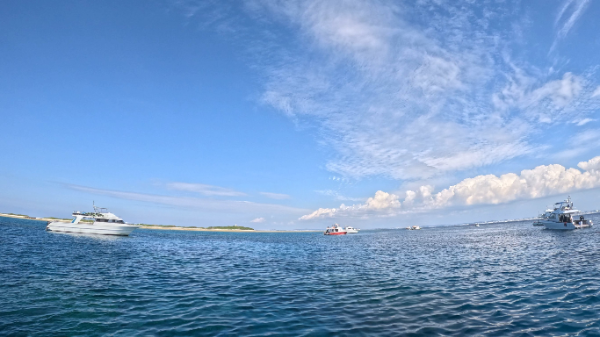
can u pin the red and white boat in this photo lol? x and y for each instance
(335, 230)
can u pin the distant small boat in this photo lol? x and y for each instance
(352, 230)
(335, 230)
(476, 225)
(414, 228)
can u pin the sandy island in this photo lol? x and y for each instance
(32, 218)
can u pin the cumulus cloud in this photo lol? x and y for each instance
(381, 201)
(277, 196)
(258, 220)
(542, 181)
(592, 165)
(204, 189)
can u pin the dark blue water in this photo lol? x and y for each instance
(495, 280)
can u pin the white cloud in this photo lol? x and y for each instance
(323, 213)
(596, 92)
(559, 92)
(592, 165)
(542, 181)
(204, 189)
(381, 201)
(277, 196)
(583, 121)
(551, 102)
(258, 220)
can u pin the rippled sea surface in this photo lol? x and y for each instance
(496, 280)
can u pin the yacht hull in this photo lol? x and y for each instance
(558, 225)
(566, 225)
(91, 228)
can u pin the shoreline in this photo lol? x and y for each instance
(179, 228)
(174, 228)
(32, 218)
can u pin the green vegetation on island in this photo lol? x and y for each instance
(242, 228)
(150, 225)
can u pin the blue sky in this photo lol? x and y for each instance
(298, 114)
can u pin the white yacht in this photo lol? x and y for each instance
(564, 217)
(103, 222)
(352, 230)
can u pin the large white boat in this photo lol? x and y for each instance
(564, 217)
(104, 222)
(352, 230)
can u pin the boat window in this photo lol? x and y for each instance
(120, 221)
(101, 220)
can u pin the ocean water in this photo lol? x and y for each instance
(495, 280)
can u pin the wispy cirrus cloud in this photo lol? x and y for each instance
(203, 204)
(584, 121)
(567, 16)
(544, 180)
(414, 90)
(337, 196)
(276, 196)
(203, 189)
